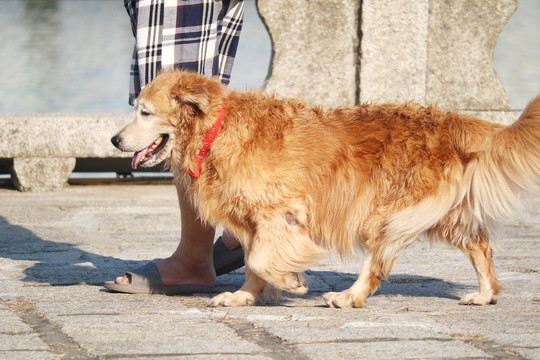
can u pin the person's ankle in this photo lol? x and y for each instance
(174, 271)
(230, 241)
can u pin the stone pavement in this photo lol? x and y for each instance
(57, 248)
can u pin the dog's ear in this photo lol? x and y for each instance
(197, 97)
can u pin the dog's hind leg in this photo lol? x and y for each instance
(378, 263)
(479, 253)
(386, 236)
(367, 283)
(247, 295)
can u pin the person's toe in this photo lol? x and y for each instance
(122, 280)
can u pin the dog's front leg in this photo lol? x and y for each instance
(247, 295)
(281, 251)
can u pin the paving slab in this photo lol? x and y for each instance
(57, 249)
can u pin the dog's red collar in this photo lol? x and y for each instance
(208, 140)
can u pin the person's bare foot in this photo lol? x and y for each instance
(174, 272)
(181, 269)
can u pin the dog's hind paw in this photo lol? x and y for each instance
(478, 299)
(238, 298)
(344, 299)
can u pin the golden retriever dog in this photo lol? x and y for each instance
(293, 181)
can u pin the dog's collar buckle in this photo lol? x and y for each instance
(207, 142)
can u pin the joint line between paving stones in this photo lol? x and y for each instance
(492, 348)
(486, 346)
(373, 340)
(276, 348)
(201, 355)
(280, 350)
(48, 331)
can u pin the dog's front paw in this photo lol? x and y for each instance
(238, 298)
(294, 283)
(344, 299)
(478, 299)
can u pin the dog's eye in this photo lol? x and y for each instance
(145, 112)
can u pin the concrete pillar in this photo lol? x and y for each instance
(393, 51)
(462, 36)
(41, 174)
(315, 46)
(433, 51)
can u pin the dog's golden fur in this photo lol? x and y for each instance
(293, 181)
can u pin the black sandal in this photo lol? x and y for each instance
(226, 260)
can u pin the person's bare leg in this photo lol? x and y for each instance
(192, 262)
(230, 241)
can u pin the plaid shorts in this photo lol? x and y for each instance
(196, 35)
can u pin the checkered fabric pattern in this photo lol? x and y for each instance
(196, 35)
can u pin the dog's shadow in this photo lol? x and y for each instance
(61, 263)
(396, 284)
(320, 282)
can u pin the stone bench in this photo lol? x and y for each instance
(42, 148)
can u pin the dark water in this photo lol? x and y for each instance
(74, 56)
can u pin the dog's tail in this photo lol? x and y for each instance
(509, 166)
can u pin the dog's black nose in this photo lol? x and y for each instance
(115, 141)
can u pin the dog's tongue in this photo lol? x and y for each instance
(137, 158)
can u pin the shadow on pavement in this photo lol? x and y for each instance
(59, 263)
